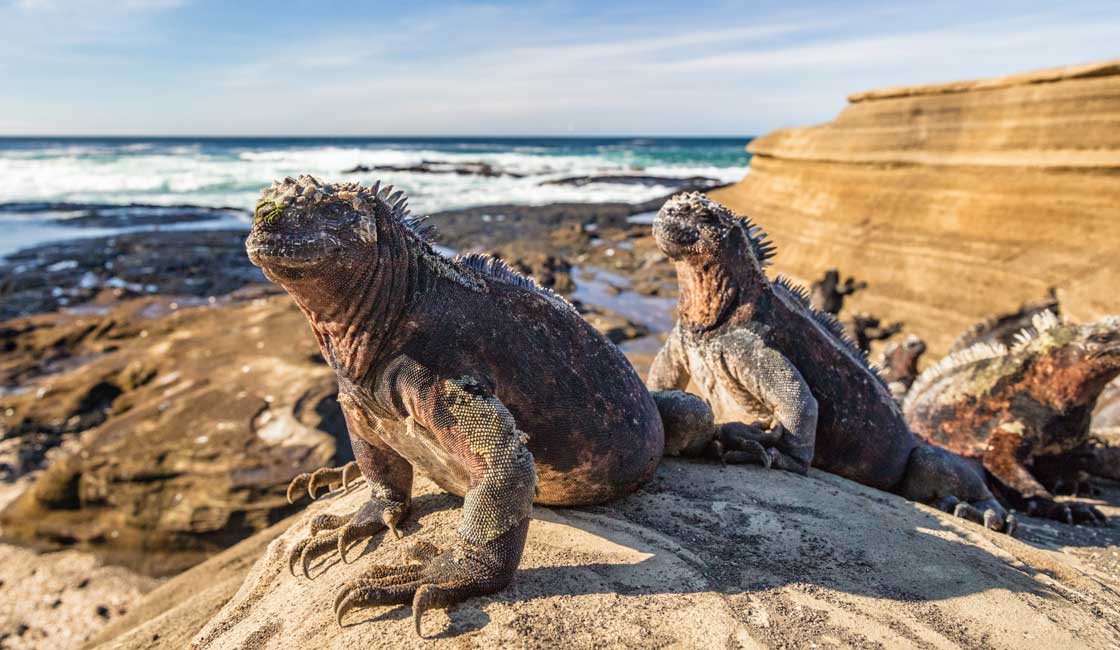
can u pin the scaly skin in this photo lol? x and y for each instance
(1023, 407)
(758, 352)
(491, 385)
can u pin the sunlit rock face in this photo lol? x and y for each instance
(954, 201)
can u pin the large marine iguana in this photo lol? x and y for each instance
(463, 368)
(756, 350)
(1024, 407)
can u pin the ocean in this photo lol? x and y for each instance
(38, 174)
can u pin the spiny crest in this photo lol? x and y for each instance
(1040, 323)
(828, 322)
(497, 269)
(976, 353)
(307, 192)
(764, 249)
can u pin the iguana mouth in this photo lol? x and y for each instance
(1110, 350)
(673, 235)
(273, 250)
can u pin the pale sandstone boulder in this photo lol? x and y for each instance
(702, 557)
(953, 201)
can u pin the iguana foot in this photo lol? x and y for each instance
(344, 530)
(946, 481)
(988, 512)
(433, 578)
(332, 477)
(751, 444)
(1069, 512)
(1077, 486)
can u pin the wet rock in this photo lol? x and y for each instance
(96, 271)
(177, 428)
(680, 183)
(116, 215)
(468, 168)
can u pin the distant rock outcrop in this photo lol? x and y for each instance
(953, 201)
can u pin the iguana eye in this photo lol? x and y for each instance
(1103, 338)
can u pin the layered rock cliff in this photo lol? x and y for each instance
(953, 201)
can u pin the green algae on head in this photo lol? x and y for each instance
(272, 213)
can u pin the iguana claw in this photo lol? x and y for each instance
(343, 532)
(332, 477)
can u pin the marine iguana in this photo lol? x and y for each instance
(1003, 328)
(864, 328)
(493, 386)
(756, 350)
(898, 364)
(1023, 405)
(827, 294)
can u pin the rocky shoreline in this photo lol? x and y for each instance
(156, 395)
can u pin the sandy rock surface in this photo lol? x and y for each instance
(702, 556)
(953, 201)
(57, 601)
(179, 425)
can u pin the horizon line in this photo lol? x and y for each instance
(568, 136)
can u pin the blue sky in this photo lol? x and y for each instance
(196, 67)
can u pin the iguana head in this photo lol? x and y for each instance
(719, 257)
(1097, 342)
(303, 227)
(901, 358)
(1081, 358)
(692, 228)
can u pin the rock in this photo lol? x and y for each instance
(182, 426)
(128, 215)
(170, 615)
(467, 168)
(96, 271)
(60, 600)
(613, 325)
(702, 556)
(952, 201)
(676, 182)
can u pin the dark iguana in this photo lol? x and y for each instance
(898, 364)
(827, 294)
(757, 351)
(463, 368)
(1026, 405)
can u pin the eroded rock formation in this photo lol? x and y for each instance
(953, 201)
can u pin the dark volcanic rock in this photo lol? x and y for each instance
(199, 263)
(469, 168)
(112, 215)
(691, 182)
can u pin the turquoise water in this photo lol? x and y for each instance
(230, 171)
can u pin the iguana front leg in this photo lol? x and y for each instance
(389, 477)
(669, 370)
(475, 429)
(690, 428)
(1004, 461)
(767, 376)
